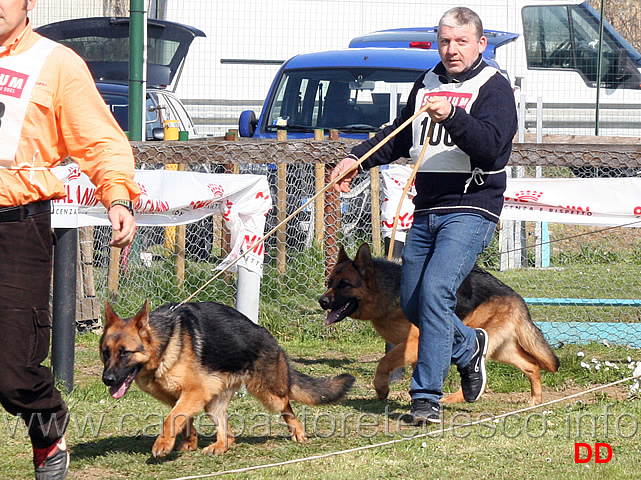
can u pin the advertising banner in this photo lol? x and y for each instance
(175, 198)
(580, 201)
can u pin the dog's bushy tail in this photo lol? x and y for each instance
(532, 340)
(318, 391)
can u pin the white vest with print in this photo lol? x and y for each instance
(18, 76)
(441, 155)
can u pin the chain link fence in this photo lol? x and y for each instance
(589, 285)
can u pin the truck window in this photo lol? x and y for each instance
(566, 37)
(339, 98)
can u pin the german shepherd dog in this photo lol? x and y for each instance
(369, 289)
(194, 357)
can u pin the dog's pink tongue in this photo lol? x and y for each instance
(331, 317)
(119, 391)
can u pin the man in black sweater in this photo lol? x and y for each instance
(469, 125)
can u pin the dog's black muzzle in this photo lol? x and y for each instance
(325, 302)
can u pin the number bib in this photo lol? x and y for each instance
(18, 76)
(441, 154)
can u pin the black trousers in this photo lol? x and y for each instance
(26, 386)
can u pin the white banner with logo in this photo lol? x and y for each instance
(175, 198)
(580, 201)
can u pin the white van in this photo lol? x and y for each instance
(555, 61)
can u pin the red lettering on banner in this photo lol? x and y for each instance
(12, 83)
(201, 204)
(404, 221)
(87, 196)
(248, 242)
(576, 209)
(637, 210)
(148, 205)
(68, 198)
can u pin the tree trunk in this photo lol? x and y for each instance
(116, 8)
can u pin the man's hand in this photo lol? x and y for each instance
(343, 166)
(439, 108)
(123, 225)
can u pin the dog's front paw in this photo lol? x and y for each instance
(382, 389)
(162, 446)
(189, 444)
(219, 446)
(299, 436)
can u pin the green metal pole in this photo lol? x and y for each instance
(136, 79)
(598, 70)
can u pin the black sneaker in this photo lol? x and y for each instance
(473, 375)
(51, 463)
(425, 410)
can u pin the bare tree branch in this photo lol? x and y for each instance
(115, 8)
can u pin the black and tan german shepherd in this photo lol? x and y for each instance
(369, 289)
(194, 357)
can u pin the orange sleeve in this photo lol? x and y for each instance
(90, 134)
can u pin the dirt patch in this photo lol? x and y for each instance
(91, 370)
(568, 396)
(90, 473)
(370, 358)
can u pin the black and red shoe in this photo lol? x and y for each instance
(51, 463)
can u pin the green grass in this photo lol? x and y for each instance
(113, 439)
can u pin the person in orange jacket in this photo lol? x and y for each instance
(50, 109)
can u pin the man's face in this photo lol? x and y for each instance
(459, 48)
(13, 16)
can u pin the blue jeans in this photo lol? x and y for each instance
(439, 252)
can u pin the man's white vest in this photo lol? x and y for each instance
(18, 77)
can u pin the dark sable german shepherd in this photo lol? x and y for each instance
(194, 357)
(369, 289)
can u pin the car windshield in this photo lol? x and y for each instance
(108, 57)
(103, 42)
(346, 99)
(567, 37)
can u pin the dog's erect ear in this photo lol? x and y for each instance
(363, 257)
(342, 255)
(110, 316)
(142, 317)
(363, 262)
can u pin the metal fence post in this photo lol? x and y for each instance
(63, 335)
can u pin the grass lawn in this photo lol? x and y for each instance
(113, 439)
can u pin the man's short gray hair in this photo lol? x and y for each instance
(459, 16)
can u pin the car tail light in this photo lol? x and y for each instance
(423, 45)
